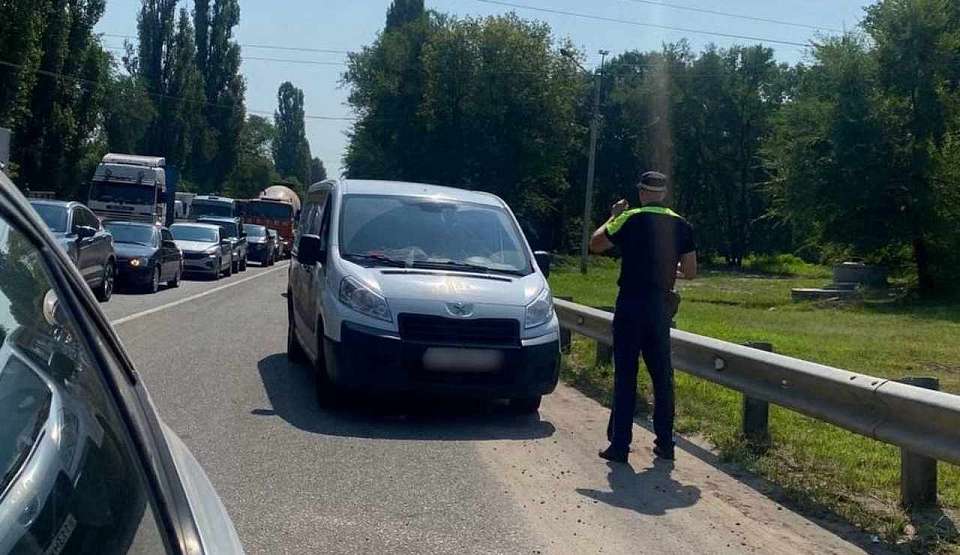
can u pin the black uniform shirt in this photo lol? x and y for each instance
(651, 239)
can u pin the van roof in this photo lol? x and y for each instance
(402, 188)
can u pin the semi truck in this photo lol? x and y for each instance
(277, 207)
(128, 187)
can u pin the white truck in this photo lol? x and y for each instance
(128, 187)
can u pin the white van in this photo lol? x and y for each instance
(409, 287)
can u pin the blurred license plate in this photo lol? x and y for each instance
(445, 359)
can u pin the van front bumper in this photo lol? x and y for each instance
(367, 359)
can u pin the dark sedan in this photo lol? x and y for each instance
(146, 255)
(260, 245)
(79, 233)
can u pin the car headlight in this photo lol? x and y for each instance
(540, 311)
(137, 262)
(359, 297)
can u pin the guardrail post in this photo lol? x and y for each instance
(604, 352)
(756, 413)
(918, 474)
(566, 338)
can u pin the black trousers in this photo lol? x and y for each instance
(641, 326)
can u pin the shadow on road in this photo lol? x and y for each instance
(652, 491)
(290, 389)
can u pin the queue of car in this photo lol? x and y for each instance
(144, 256)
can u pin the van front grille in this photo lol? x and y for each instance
(438, 330)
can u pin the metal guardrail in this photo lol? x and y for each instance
(920, 421)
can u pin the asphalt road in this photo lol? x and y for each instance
(420, 475)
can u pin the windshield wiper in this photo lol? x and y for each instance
(465, 266)
(376, 258)
(135, 243)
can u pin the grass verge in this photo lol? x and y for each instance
(820, 467)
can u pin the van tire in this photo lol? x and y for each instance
(526, 405)
(295, 351)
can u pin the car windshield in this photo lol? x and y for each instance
(269, 210)
(255, 230)
(55, 216)
(194, 233)
(229, 229)
(427, 232)
(210, 208)
(126, 193)
(135, 234)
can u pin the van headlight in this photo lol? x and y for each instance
(540, 311)
(361, 298)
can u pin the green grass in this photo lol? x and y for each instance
(818, 465)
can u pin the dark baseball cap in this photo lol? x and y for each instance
(653, 181)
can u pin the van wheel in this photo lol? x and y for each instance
(526, 405)
(295, 352)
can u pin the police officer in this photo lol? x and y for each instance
(657, 246)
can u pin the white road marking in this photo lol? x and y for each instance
(154, 310)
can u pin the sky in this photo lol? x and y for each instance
(347, 25)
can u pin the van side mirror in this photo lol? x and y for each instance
(544, 260)
(309, 250)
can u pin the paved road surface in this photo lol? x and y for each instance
(420, 476)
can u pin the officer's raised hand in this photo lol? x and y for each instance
(618, 207)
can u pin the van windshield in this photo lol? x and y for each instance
(128, 193)
(430, 233)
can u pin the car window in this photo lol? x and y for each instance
(82, 216)
(70, 480)
(307, 219)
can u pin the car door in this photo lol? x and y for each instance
(169, 254)
(86, 248)
(319, 279)
(302, 275)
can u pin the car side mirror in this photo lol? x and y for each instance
(544, 260)
(309, 250)
(84, 231)
(225, 242)
(170, 244)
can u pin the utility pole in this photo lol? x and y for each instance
(592, 164)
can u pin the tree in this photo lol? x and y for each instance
(916, 50)
(21, 28)
(218, 59)
(318, 172)
(402, 12)
(291, 152)
(255, 170)
(831, 157)
(479, 104)
(127, 117)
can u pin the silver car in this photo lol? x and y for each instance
(86, 464)
(205, 249)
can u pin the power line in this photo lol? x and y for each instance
(640, 24)
(167, 96)
(733, 15)
(261, 46)
(260, 59)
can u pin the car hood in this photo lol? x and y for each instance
(403, 283)
(130, 250)
(217, 532)
(195, 246)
